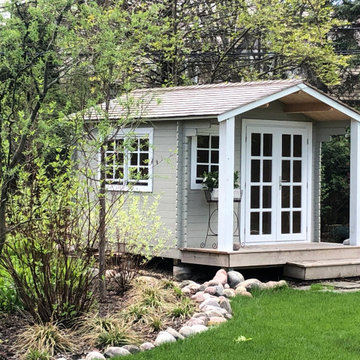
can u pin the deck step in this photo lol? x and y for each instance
(322, 269)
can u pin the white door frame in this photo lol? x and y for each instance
(273, 125)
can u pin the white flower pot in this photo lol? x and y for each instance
(215, 194)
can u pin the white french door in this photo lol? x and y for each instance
(277, 181)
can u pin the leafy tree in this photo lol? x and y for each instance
(212, 41)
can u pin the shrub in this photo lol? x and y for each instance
(45, 254)
(134, 224)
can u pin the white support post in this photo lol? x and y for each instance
(355, 183)
(226, 185)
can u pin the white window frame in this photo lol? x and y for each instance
(194, 148)
(138, 133)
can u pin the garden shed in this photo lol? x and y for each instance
(269, 133)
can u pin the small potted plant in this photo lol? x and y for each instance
(211, 183)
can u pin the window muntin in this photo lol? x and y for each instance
(128, 161)
(205, 157)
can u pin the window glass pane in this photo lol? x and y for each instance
(144, 172)
(286, 141)
(203, 141)
(254, 223)
(215, 156)
(285, 196)
(214, 142)
(296, 222)
(267, 145)
(120, 158)
(119, 173)
(285, 173)
(134, 145)
(267, 169)
(202, 156)
(110, 146)
(144, 144)
(200, 170)
(266, 223)
(134, 159)
(255, 197)
(144, 159)
(119, 144)
(255, 144)
(285, 222)
(255, 170)
(297, 145)
(266, 197)
(214, 168)
(297, 196)
(297, 171)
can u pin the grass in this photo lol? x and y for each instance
(277, 325)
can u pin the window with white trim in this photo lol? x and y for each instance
(205, 158)
(128, 160)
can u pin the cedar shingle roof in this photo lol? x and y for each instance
(192, 101)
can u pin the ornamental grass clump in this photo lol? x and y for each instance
(107, 331)
(43, 341)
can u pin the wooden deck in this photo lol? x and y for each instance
(269, 255)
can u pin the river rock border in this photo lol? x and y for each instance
(212, 298)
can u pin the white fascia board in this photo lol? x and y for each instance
(328, 101)
(257, 103)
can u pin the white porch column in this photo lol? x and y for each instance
(226, 185)
(355, 183)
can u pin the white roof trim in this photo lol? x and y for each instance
(300, 87)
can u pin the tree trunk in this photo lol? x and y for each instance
(2, 224)
(102, 231)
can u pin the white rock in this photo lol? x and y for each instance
(95, 355)
(164, 337)
(187, 331)
(229, 293)
(215, 320)
(113, 351)
(174, 333)
(225, 304)
(146, 346)
(252, 284)
(132, 348)
(209, 302)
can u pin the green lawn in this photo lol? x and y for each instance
(285, 324)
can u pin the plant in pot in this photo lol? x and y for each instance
(211, 183)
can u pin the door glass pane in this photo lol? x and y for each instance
(266, 223)
(286, 145)
(297, 145)
(255, 197)
(267, 169)
(214, 156)
(267, 197)
(255, 170)
(297, 196)
(254, 223)
(255, 144)
(285, 171)
(285, 222)
(297, 171)
(202, 156)
(296, 222)
(214, 168)
(285, 196)
(267, 145)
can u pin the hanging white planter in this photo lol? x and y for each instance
(214, 194)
